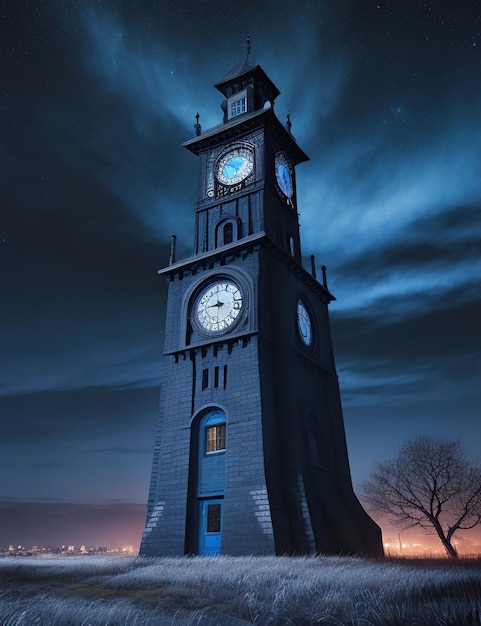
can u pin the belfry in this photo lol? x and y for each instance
(250, 455)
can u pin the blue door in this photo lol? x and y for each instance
(210, 526)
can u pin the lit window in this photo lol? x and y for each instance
(215, 438)
(237, 107)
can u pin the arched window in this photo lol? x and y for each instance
(228, 233)
(206, 482)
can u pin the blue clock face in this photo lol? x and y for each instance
(234, 166)
(284, 180)
(284, 175)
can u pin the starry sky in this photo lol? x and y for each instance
(97, 97)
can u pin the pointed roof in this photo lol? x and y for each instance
(244, 67)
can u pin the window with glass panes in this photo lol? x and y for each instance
(215, 438)
(237, 107)
(213, 518)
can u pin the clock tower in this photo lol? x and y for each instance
(250, 455)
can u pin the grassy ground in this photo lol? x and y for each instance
(221, 591)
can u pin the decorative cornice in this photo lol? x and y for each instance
(307, 278)
(202, 344)
(212, 256)
(244, 246)
(245, 123)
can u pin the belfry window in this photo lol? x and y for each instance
(215, 438)
(237, 107)
(237, 104)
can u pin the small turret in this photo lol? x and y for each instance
(246, 87)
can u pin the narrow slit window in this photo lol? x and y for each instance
(225, 376)
(291, 246)
(205, 378)
(228, 233)
(215, 438)
(216, 376)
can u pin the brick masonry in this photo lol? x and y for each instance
(283, 480)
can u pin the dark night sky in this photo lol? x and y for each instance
(96, 98)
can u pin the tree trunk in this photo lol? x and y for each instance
(450, 549)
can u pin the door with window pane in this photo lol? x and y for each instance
(210, 526)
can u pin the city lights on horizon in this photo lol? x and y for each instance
(394, 546)
(68, 550)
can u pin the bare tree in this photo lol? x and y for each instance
(429, 484)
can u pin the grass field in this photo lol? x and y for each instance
(340, 591)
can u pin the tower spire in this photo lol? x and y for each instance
(248, 44)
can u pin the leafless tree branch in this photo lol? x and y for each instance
(429, 484)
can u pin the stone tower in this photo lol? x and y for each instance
(250, 455)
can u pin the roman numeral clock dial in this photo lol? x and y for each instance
(233, 169)
(218, 307)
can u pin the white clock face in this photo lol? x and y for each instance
(218, 306)
(304, 323)
(234, 166)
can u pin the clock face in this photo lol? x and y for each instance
(304, 323)
(284, 174)
(234, 166)
(218, 306)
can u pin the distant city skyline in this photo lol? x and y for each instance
(397, 543)
(118, 526)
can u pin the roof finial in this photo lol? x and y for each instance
(197, 126)
(248, 44)
(324, 276)
(172, 250)
(289, 123)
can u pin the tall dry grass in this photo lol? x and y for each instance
(340, 591)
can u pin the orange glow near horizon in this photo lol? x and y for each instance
(416, 543)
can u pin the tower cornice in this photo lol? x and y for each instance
(222, 255)
(243, 124)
